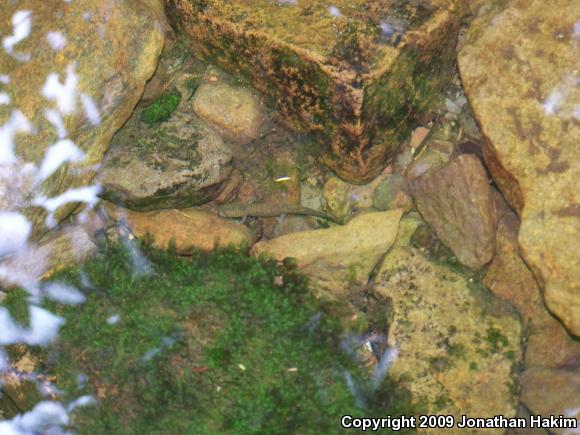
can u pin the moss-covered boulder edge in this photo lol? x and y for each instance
(218, 342)
(358, 93)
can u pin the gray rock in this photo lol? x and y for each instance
(174, 164)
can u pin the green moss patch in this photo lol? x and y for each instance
(162, 108)
(216, 343)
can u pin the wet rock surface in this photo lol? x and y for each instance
(56, 251)
(189, 229)
(456, 200)
(338, 257)
(523, 97)
(177, 163)
(312, 63)
(458, 349)
(234, 110)
(548, 344)
(552, 392)
(393, 192)
(112, 70)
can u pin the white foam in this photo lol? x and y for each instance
(17, 123)
(44, 326)
(22, 24)
(334, 11)
(4, 79)
(91, 109)
(55, 118)
(64, 94)
(4, 98)
(87, 194)
(553, 103)
(81, 401)
(46, 417)
(389, 356)
(56, 40)
(61, 152)
(63, 293)
(14, 232)
(114, 319)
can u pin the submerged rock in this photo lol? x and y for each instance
(234, 110)
(524, 96)
(355, 74)
(548, 343)
(112, 46)
(336, 198)
(554, 392)
(189, 229)
(174, 164)
(336, 258)
(393, 192)
(458, 349)
(456, 200)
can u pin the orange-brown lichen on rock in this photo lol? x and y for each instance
(355, 74)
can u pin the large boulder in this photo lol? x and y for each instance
(519, 69)
(355, 73)
(110, 47)
(457, 201)
(458, 347)
(336, 258)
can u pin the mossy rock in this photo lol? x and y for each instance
(215, 343)
(357, 79)
(162, 108)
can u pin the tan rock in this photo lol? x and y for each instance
(191, 228)
(552, 392)
(112, 46)
(548, 343)
(523, 96)
(456, 200)
(418, 136)
(234, 110)
(457, 348)
(338, 257)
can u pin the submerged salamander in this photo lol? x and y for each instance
(237, 210)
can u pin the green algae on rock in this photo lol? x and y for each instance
(459, 346)
(355, 78)
(162, 108)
